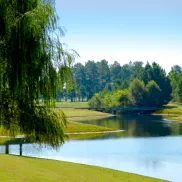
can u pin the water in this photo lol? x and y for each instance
(150, 146)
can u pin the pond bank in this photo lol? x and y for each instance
(52, 170)
(171, 113)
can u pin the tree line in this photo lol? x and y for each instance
(130, 84)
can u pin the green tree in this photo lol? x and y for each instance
(80, 77)
(147, 73)
(124, 98)
(120, 84)
(153, 94)
(138, 92)
(157, 73)
(104, 74)
(33, 64)
(175, 76)
(138, 69)
(127, 71)
(115, 70)
(177, 69)
(92, 79)
(95, 101)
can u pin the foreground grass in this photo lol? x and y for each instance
(72, 104)
(17, 169)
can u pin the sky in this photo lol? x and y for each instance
(123, 30)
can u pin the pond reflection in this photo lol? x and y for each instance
(139, 126)
(149, 146)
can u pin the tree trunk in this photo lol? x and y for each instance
(7, 149)
(20, 149)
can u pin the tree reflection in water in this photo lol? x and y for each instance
(139, 126)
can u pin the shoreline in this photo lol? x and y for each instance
(49, 170)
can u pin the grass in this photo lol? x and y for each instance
(74, 127)
(83, 114)
(85, 136)
(175, 118)
(27, 169)
(170, 110)
(72, 104)
(80, 114)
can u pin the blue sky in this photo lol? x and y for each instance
(124, 31)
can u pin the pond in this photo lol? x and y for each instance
(150, 146)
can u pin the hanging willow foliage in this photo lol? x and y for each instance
(33, 64)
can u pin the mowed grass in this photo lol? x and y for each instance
(79, 114)
(175, 118)
(170, 110)
(82, 113)
(74, 127)
(20, 169)
(72, 104)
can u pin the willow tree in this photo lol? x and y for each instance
(33, 65)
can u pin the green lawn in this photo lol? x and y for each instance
(72, 104)
(21, 169)
(76, 127)
(83, 114)
(78, 115)
(73, 127)
(175, 118)
(170, 110)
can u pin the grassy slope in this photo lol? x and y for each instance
(74, 127)
(172, 112)
(72, 112)
(78, 115)
(13, 167)
(175, 118)
(72, 104)
(80, 127)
